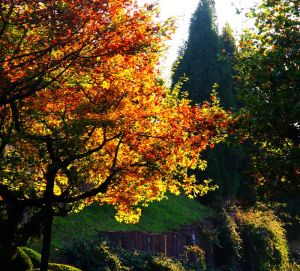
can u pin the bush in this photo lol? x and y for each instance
(137, 260)
(110, 258)
(17, 262)
(92, 255)
(264, 241)
(100, 256)
(34, 256)
(62, 267)
(229, 243)
(58, 267)
(161, 263)
(194, 257)
(22, 261)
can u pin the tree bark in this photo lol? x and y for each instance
(10, 234)
(48, 216)
(47, 231)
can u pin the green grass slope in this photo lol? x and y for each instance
(162, 216)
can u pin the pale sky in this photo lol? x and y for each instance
(183, 9)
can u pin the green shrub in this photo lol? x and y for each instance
(92, 255)
(194, 258)
(62, 267)
(109, 257)
(34, 256)
(161, 263)
(22, 261)
(229, 243)
(137, 260)
(264, 241)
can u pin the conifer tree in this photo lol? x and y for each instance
(206, 59)
(199, 56)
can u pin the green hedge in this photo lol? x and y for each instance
(161, 263)
(19, 262)
(264, 241)
(252, 240)
(92, 255)
(228, 248)
(34, 256)
(58, 267)
(28, 259)
(62, 267)
(22, 260)
(100, 255)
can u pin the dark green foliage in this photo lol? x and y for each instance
(160, 263)
(137, 260)
(141, 261)
(252, 240)
(22, 261)
(198, 58)
(269, 71)
(62, 267)
(226, 62)
(264, 241)
(18, 261)
(91, 255)
(15, 230)
(229, 243)
(34, 256)
(33, 260)
(194, 258)
(226, 164)
(101, 256)
(206, 59)
(228, 44)
(110, 258)
(59, 267)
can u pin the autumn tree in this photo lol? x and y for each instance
(85, 118)
(269, 72)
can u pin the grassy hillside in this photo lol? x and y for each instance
(160, 216)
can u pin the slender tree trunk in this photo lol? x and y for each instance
(13, 219)
(47, 231)
(12, 223)
(48, 216)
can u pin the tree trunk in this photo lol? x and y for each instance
(12, 224)
(14, 216)
(47, 230)
(48, 216)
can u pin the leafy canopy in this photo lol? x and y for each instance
(84, 115)
(269, 69)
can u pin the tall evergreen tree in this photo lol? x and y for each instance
(199, 55)
(206, 59)
(228, 51)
